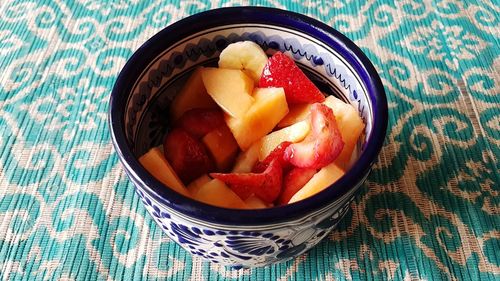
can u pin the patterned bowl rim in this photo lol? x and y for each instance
(238, 15)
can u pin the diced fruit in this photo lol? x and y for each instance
(216, 193)
(297, 113)
(277, 154)
(195, 185)
(192, 95)
(322, 145)
(231, 89)
(245, 55)
(247, 159)
(260, 119)
(350, 125)
(265, 185)
(281, 71)
(187, 155)
(294, 133)
(293, 182)
(156, 164)
(200, 121)
(222, 146)
(321, 180)
(254, 202)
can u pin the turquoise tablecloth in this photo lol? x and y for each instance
(430, 209)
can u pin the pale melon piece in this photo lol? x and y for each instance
(321, 180)
(155, 163)
(268, 109)
(297, 113)
(350, 126)
(192, 95)
(254, 202)
(216, 193)
(195, 185)
(231, 89)
(294, 133)
(247, 159)
(223, 147)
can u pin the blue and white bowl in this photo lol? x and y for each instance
(138, 118)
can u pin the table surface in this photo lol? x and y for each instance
(429, 210)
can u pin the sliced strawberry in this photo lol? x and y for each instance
(187, 155)
(277, 153)
(322, 145)
(265, 185)
(281, 71)
(200, 121)
(293, 182)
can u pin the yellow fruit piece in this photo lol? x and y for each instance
(195, 185)
(247, 159)
(231, 89)
(294, 133)
(223, 147)
(192, 95)
(254, 202)
(321, 180)
(298, 112)
(350, 126)
(268, 109)
(216, 193)
(245, 55)
(156, 164)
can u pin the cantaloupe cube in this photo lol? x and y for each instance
(350, 126)
(254, 202)
(321, 180)
(297, 113)
(192, 95)
(195, 185)
(155, 163)
(216, 193)
(268, 109)
(294, 133)
(247, 159)
(223, 147)
(231, 89)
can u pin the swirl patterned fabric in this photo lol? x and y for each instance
(430, 210)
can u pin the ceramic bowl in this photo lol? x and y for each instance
(138, 118)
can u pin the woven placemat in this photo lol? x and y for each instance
(429, 210)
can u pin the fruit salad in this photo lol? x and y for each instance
(254, 132)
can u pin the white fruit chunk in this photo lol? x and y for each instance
(245, 55)
(294, 133)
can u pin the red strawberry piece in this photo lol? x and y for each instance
(265, 185)
(277, 153)
(293, 182)
(281, 71)
(187, 155)
(200, 121)
(323, 144)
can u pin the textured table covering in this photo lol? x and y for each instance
(430, 209)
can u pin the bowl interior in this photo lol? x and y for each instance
(146, 118)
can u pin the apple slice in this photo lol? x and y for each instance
(195, 185)
(222, 146)
(156, 164)
(192, 95)
(260, 119)
(247, 159)
(294, 133)
(322, 145)
(321, 180)
(216, 193)
(231, 89)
